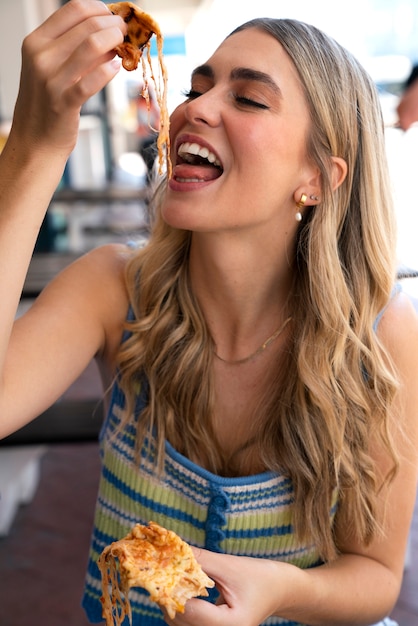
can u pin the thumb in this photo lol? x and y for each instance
(209, 561)
(218, 566)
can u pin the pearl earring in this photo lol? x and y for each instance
(300, 205)
(316, 198)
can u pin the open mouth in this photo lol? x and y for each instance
(196, 163)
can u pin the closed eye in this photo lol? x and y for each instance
(191, 94)
(250, 102)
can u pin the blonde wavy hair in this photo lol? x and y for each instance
(315, 422)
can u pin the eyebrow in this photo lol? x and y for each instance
(240, 73)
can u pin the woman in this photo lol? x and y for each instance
(263, 400)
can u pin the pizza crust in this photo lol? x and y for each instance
(157, 560)
(141, 27)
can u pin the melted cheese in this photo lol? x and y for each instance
(136, 48)
(155, 559)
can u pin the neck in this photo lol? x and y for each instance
(264, 346)
(241, 292)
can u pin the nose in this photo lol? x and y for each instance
(205, 109)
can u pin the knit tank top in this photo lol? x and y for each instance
(249, 515)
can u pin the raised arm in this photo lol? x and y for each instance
(64, 62)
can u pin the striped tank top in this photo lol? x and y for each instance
(249, 515)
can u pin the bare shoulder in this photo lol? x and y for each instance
(398, 331)
(98, 272)
(103, 270)
(91, 294)
(110, 258)
(398, 327)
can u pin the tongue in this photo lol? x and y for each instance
(200, 172)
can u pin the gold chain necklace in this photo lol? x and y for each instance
(260, 349)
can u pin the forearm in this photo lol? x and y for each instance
(354, 590)
(28, 178)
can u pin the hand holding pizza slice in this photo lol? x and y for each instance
(155, 559)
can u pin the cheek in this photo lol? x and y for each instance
(261, 151)
(176, 120)
(277, 151)
(177, 116)
(259, 140)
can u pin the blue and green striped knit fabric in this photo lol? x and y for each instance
(249, 516)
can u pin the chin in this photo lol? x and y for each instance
(183, 215)
(178, 219)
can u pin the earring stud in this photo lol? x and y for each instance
(316, 198)
(300, 205)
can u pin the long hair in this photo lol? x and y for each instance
(315, 422)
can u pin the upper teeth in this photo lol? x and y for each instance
(196, 150)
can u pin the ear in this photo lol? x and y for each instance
(313, 188)
(339, 172)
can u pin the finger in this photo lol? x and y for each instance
(209, 562)
(87, 53)
(204, 613)
(92, 39)
(85, 70)
(96, 34)
(91, 83)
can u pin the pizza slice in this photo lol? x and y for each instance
(141, 27)
(157, 560)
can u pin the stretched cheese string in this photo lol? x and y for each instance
(161, 88)
(115, 594)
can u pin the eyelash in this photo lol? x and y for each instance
(192, 94)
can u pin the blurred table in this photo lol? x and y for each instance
(92, 217)
(109, 194)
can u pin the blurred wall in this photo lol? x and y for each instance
(18, 18)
